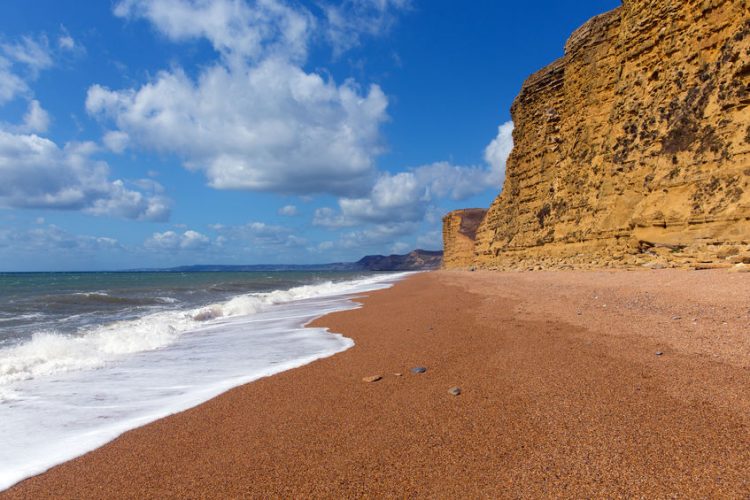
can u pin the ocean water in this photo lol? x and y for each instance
(85, 357)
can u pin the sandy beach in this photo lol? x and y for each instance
(606, 383)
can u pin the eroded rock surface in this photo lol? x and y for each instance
(632, 149)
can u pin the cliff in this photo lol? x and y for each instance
(459, 235)
(632, 149)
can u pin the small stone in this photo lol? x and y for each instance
(454, 391)
(372, 379)
(675, 318)
(397, 374)
(659, 353)
(418, 369)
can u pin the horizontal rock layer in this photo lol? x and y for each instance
(632, 148)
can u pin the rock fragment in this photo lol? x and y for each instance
(418, 369)
(454, 391)
(371, 379)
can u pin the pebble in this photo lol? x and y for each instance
(675, 318)
(418, 369)
(397, 374)
(372, 379)
(454, 391)
(659, 353)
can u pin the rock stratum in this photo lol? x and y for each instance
(632, 149)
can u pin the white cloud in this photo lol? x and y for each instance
(21, 61)
(37, 173)
(348, 20)
(49, 238)
(255, 119)
(268, 127)
(497, 152)
(170, 240)
(288, 210)
(32, 53)
(116, 141)
(66, 42)
(36, 118)
(408, 196)
(380, 234)
(235, 28)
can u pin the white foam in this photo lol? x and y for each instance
(62, 396)
(49, 353)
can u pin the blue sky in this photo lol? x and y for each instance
(150, 133)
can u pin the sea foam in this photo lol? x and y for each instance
(49, 353)
(64, 395)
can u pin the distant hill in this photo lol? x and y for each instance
(417, 260)
(413, 261)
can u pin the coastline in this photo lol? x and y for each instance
(563, 394)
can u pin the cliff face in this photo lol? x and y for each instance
(632, 148)
(459, 236)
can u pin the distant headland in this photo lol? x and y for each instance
(416, 260)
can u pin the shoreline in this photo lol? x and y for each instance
(153, 384)
(562, 394)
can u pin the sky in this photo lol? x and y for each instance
(157, 133)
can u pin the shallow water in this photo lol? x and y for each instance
(85, 357)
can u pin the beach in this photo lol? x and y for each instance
(598, 383)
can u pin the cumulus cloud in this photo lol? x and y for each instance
(497, 152)
(116, 141)
(408, 196)
(170, 240)
(268, 127)
(288, 210)
(235, 28)
(37, 173)
(254, 119)
(36, 118)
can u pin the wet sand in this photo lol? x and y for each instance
(564, 395)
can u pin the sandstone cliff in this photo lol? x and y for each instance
(459, 233)
(633, 148)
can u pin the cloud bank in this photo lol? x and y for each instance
(37, 173)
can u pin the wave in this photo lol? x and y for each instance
(49, 352)
(100, 298)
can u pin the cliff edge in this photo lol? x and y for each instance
(632, 149)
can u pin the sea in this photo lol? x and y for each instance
(85, 357)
